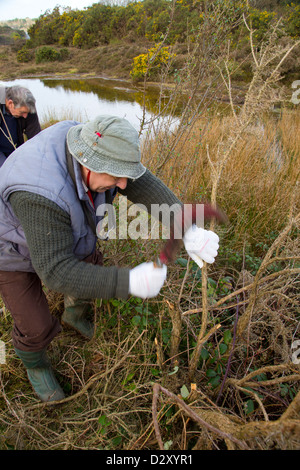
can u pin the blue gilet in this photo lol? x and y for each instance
(40, 166)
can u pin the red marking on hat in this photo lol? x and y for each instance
(98, 134)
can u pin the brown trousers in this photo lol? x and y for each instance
(22, 293)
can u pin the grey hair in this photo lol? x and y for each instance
(21, 96)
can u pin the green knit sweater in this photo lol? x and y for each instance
(49, 237)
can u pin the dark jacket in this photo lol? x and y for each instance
(29, 126)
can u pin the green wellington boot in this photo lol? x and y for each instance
(41, 375)
(78, 314)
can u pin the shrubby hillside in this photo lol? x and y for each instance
(9, 36)
(175, 25)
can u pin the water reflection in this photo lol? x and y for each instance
(110, 90)
(84, 99)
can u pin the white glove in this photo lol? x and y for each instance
(201, 245)
(145, 280)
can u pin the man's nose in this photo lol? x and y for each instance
(122, 183)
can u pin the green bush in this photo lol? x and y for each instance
(49, 54)
(25, 55)
(46, 54)
(293, 20)
(64, 54)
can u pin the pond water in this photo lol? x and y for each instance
(83, 99)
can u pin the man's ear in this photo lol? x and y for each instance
(9, 104)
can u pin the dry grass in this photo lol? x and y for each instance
(112, 402)
(256, 183)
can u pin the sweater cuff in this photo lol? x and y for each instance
(122, 290)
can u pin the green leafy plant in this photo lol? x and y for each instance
(104, 424)
(49, 54)
(215, 358)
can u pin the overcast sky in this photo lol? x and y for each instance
(11, 9)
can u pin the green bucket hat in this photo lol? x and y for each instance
(108, 144)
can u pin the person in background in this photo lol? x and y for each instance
(50, 194)
(18, 116)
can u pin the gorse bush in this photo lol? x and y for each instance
(152, 63)
(49, 54)
(25, 55)
(293, 20)
(46, 54)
